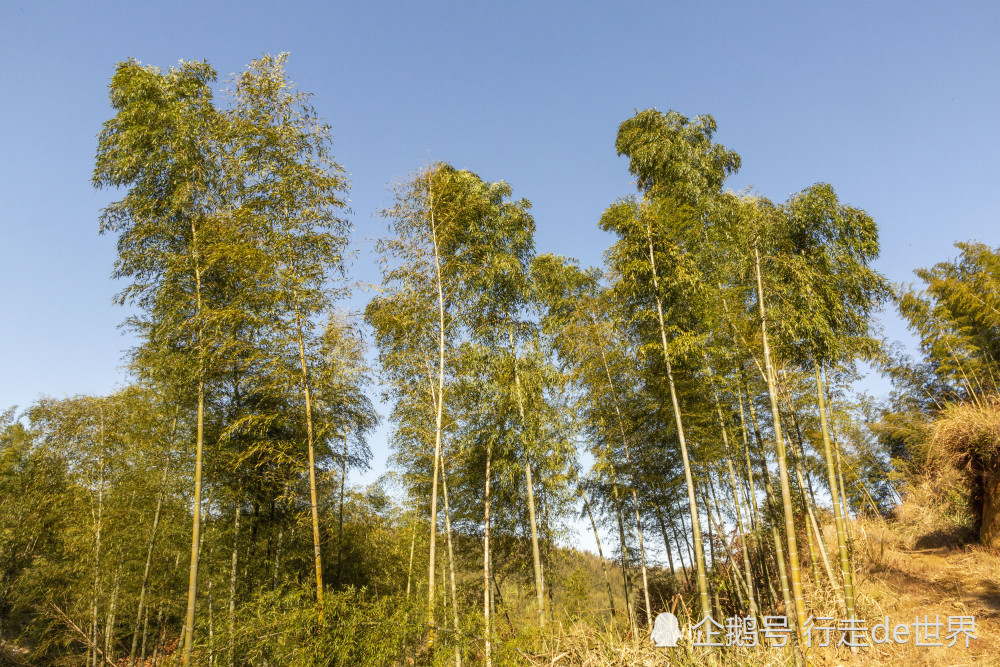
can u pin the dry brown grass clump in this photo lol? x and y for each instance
(969, 433)
(956, 488)
(937, 510)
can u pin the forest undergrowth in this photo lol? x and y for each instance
(899, 576)
(905, 570)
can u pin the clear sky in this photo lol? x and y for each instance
(893, 103)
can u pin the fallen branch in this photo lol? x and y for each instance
(83, 634)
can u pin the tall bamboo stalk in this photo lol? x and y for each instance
(340, 529)
(666, 540)
(846, 570)
(488, 631)
(699, 555)
(736, 503)
(451, 564)
(231, 656)
(597, 538)
(199, 447)
(628, 462)
(535, 551)
(626, 578)
(779, 442)
(439, 416)
(98, 521)
(313, 503)
(409, 571)
(772, 505)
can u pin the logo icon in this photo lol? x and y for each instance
(666, 630)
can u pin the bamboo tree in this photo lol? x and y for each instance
(625, 561)
(955, 315)
(628, 462)
(451, 564)
(739, 520)
(169, 120)
(659, 506)
(409, 571)
(237, 512)
(340, 520)
(772, 505)
(679, 170)
(98, 524)
(573, 306)
(345, 414)
(292, 188)
(779, 441)
(597, 540)
(529, 484)
(487, 598)
(830, 247)
(449, 225)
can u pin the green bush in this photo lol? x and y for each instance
(359, 630)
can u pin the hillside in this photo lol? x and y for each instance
(902, 583)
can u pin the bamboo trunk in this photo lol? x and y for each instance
(626, 579)
(451, 565)
(846, 509)
(438, 419)
(779, 441)
(232, 586)
(699, 555)
(666, 540)
(846, 570)
(198, 457)
(159, 636)
(488, 631)
(409, 571)
(600, 552)
(313, 502)
(95, 595)
(535, 551)
(758, 526)
(628, 462)
(772, 505)
(804, 484)
(211, 626)
(340, 528)
(109, 621)
(547, 561)
(685, 569)
(806, 510)
(736, 503)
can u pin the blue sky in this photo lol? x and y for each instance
(894, 104)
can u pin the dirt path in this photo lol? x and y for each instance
(906, 585)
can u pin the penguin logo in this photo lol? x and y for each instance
(666, 630)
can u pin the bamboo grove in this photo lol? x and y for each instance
(687, 402)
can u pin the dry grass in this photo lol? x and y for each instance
(580, 645)
(893, 579)
(937, 510)
(949, 580)
(968, 433)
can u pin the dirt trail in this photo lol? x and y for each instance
(907, 584)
